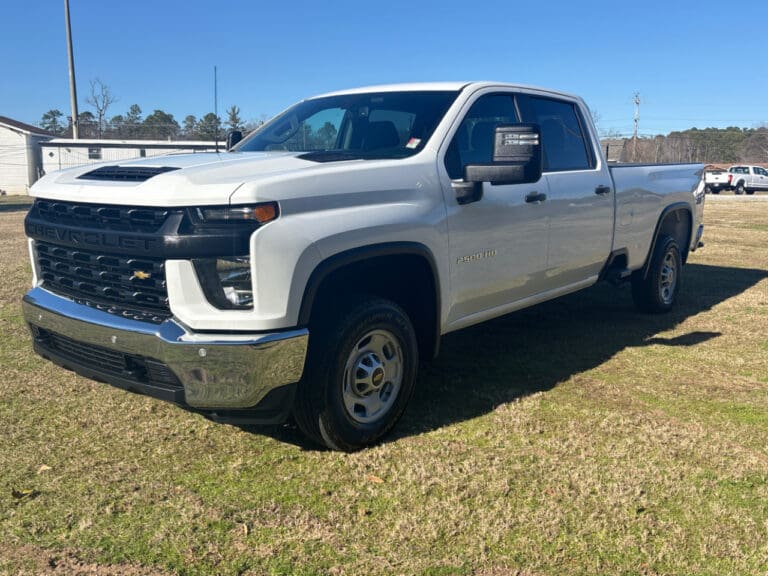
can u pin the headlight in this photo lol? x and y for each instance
(226, 282)
(255, 213)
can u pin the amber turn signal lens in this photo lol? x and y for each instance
(265, 213)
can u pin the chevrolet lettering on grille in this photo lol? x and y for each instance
(90, 238)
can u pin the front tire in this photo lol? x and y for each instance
(657, 291)
(360, 375)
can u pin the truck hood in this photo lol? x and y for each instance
(173, 180)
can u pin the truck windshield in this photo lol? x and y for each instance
(352, 126)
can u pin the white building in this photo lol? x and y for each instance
(20, 162)
(61, 153)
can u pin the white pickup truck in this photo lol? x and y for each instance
(306, 272)
(717, 180)
(747, 179)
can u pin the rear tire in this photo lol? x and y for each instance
(360, 375)
(739, 190)
(657, 291)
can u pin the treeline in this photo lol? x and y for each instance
(159, 125)
(711, 145)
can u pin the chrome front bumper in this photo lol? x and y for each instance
(217, 371)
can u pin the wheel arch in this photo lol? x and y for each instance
(675, 220)
(368, 270)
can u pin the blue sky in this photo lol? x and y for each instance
(687, 59)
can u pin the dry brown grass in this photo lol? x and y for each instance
(577, 437)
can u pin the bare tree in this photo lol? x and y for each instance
(596, 116)
(755, 147)
(101, 98)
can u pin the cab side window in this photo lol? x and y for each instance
(565, 146)
(473, 141)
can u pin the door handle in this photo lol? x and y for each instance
(601, 190)
(535, 198)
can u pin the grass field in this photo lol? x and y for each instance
(577, 437)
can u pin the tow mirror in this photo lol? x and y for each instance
(516, 157)
(233, 138)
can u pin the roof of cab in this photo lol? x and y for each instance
(437, 86)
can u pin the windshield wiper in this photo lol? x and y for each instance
(332, 155)
(340, 155)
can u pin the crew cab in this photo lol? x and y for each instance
(748, 179)
(307, 271)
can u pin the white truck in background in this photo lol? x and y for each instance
(747, 179)
(717, 180)
(307, 271)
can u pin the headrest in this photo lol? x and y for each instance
(382, 134)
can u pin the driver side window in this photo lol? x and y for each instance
(473, 141)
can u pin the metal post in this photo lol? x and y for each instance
(216, 105)
(72, 84)
(637, 120)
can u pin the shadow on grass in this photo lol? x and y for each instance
(535, 349)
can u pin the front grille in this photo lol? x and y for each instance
(102, 216)
(128, 366)
(131, 287)
(126, 173)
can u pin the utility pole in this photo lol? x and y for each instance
(72, 85)
(216, 105)
(637, 120)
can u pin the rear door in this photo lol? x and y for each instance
(580, 201)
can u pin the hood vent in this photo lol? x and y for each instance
(126, 173)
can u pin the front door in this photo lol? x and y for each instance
(498, 244)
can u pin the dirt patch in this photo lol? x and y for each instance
(30, 560)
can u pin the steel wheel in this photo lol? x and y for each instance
(372, 376)
(668, 278)
(360, 374)
(655, 290)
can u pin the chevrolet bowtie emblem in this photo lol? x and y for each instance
(141, 275)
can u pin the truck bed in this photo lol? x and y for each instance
(642, 192)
